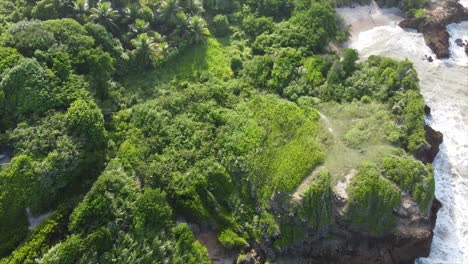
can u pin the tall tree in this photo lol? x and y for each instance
(198, 29)
(169, 10)
(147, 49)
(105, 15)
(80, 7)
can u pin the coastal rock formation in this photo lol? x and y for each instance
(433, 25)
(343, 244)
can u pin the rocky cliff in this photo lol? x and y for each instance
(343, 244)
(433, 24)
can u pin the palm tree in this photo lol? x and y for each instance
(168, 11)
(105, 15)
(131, 13)
(198, 30)
(140, 26)
(147, 49)
(194, 7)
(80, 7)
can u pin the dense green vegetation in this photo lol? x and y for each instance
(372, 200)
(132, 120)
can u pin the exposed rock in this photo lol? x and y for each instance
(6, 155)
(466, 49)
(255, 256)
(411, 239)
(459, 42)
(428, 152)
(427, 110)
(340, 243)
(433, 25)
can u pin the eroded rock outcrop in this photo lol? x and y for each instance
(342, 243)
(433, 25)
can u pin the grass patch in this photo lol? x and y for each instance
(354, 132)
(191, 64)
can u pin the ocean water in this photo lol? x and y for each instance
(444, 85)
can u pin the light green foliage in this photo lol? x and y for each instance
(360, 131)
(412, 176)
(230, 239)
(413, 116)
(187, 249)
(85, 119)
(372, 200)
(316, 68)
(9, 57)
(279, 143)
(317, 203)
(26, 88)
(420, 13)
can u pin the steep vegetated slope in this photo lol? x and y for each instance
(135, 123)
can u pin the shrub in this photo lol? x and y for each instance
(230, 239)
(412, 176)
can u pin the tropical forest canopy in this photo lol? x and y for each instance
(131, 120)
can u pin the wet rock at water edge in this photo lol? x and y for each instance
(433, 25)
(429, 58)
(459, 43)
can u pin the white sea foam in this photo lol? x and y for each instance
(464, 3)
(457, 53)
(444, 85)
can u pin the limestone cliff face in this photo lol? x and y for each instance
(433, 25)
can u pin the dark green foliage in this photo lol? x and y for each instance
(173, 122)
(372, 200)
(14, 180)
(412, 176)
(255, 26)
(349, 61)
(221, 26)
(39, 242)
(272, 8)
(66, 252)
(152, 211)
(27, 36)
(108, 199)
(26, 89)
(46, 9)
